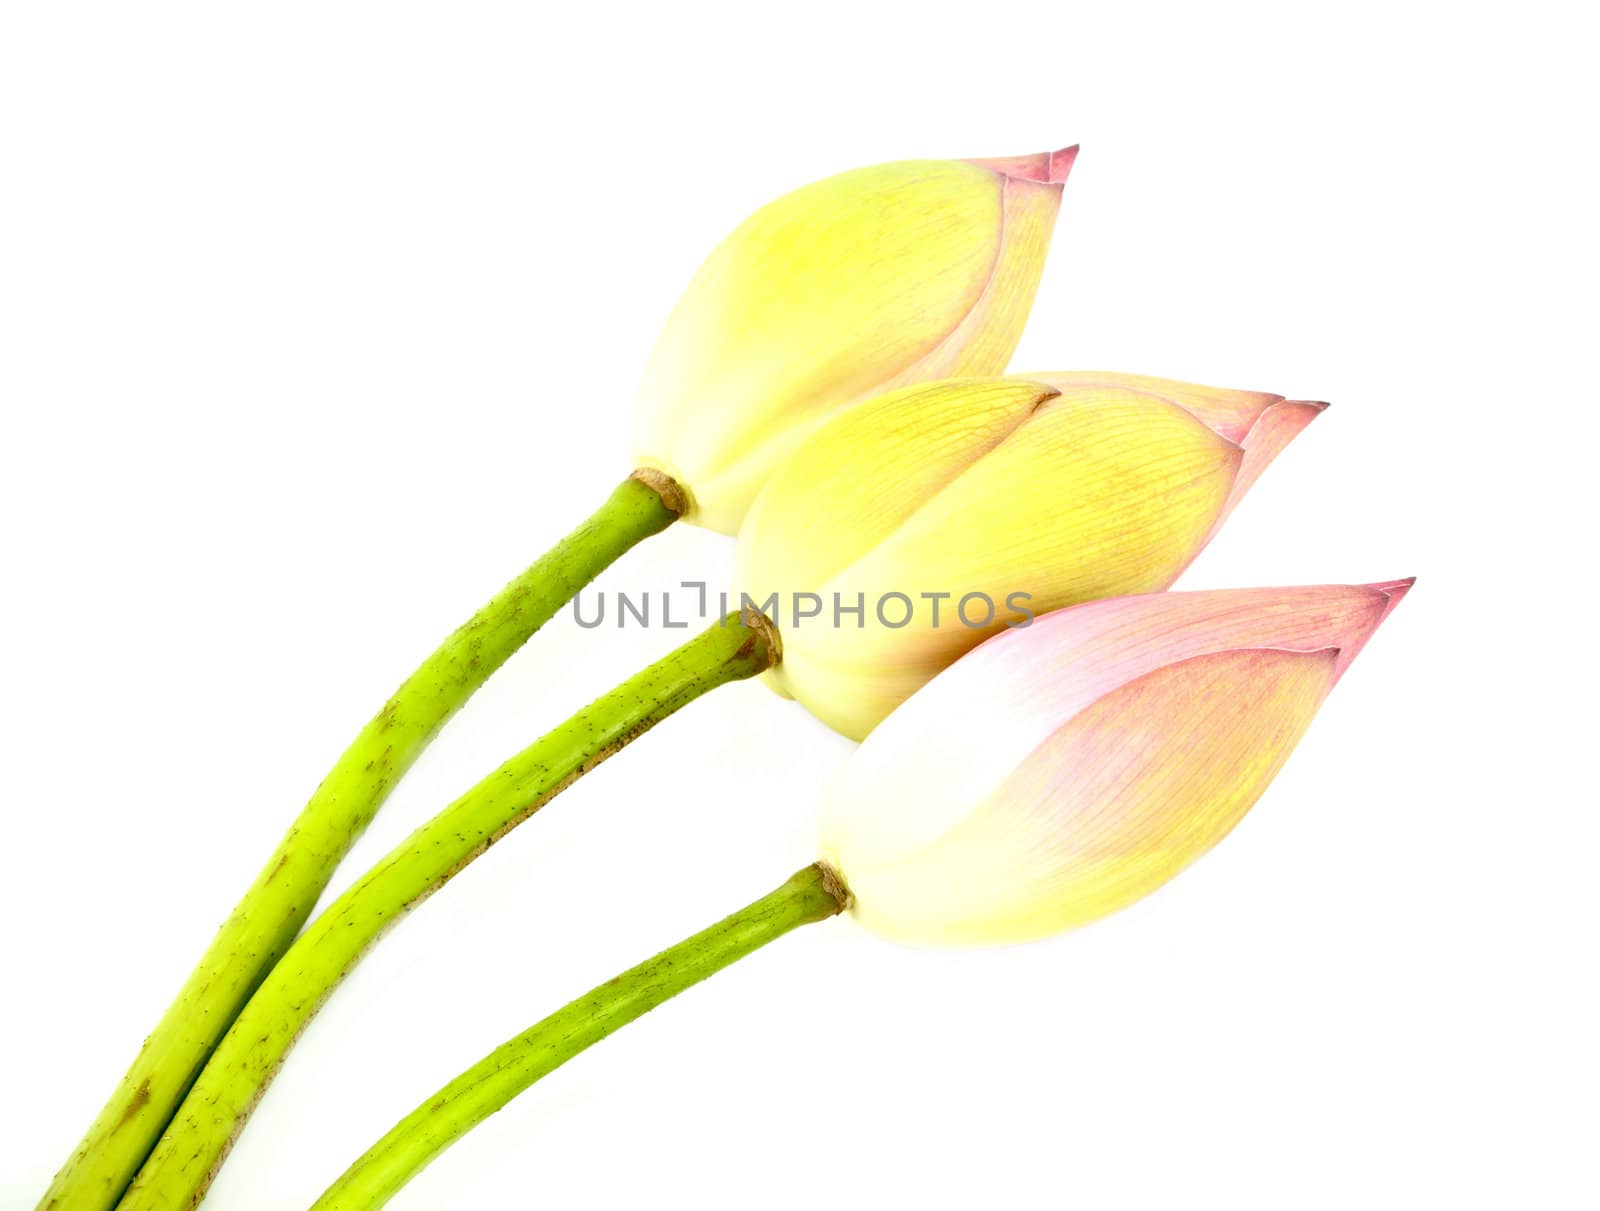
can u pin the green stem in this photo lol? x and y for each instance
(270, 914)
(188, 1154)
(811, 895)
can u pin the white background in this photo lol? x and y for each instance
(318, 321)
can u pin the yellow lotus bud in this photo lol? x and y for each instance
(845, 288)
(1065, 770)
(912, 527)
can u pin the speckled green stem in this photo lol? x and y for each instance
(811, 895)
(267, 919)
(233, 1080)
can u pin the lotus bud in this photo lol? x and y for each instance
(1062, 771)
(845, 288)
(909, 529)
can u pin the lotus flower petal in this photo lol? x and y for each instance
(1064, 770)
(855, 285)
(965, 508)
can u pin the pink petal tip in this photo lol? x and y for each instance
(1044, 167)
(1060, 164)
(1394, 590)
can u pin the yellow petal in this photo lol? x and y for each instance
(1260, 423)
(988, 334)
(1121, 798)
(862, 282)
(1229, 412)
(865, 473)
(1103, 491)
